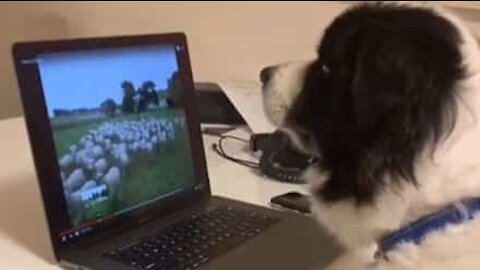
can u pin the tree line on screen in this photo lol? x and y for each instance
(135, 100)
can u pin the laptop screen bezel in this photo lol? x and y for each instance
(43, 148)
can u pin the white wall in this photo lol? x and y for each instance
(20, 21)
(228, 40)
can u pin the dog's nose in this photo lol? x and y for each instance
(266, 74)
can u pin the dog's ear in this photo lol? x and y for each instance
(403, 98)
(405, 78)
(387, 76)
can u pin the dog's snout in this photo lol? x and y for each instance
(266, 74)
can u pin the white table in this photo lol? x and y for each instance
(24, 241)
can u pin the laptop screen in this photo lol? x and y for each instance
(119, 129)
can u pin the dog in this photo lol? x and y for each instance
(390, 110)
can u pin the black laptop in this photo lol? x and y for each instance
(118, 152)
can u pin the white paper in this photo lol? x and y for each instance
(247, 99)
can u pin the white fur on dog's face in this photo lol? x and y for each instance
(282, 89)
(279, 94)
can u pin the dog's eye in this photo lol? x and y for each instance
(324, 68)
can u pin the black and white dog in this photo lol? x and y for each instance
(390, 107)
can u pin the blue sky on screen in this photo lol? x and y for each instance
(85, 79)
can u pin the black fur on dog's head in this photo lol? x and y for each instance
(381, 92)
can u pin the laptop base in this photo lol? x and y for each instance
(294, 242)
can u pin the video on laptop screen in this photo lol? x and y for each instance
(120, 134)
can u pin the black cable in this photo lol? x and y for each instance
(218, 148)
(223, 137)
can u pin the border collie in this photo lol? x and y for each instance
(390, 109)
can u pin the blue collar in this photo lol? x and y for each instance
(417, 231)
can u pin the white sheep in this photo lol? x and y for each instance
(101, 166)
(73, 148)
(88, 144)
(85, 158)
(130, 137)
(154, 139)
(149, 147)
(83, 140)
(79, 156)
(143, 145)
(108, 147)
(122, 136)
(75, 180)
(162, 136)
(99, 139)
(136, 146)
(122, 147)
(123, 159)
(138, 136)
(112, 178)
(119, 142)
(88, 185)
(171, 133)
(97, 151)
(130, 148)
(74, 201)
(66, 161)
(90, 164)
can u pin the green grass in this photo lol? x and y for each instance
(169, 171)
(145, 178)
(99, 210)
(65, 137)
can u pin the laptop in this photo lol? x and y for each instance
(118, 152)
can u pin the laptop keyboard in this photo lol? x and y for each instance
(193, 242)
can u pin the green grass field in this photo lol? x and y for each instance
(143, 179)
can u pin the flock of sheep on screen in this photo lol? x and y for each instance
(100, 157)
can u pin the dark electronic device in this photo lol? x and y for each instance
(292, 201)
(214, 107)
(279, 158)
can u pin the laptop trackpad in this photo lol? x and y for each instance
(297, 242)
